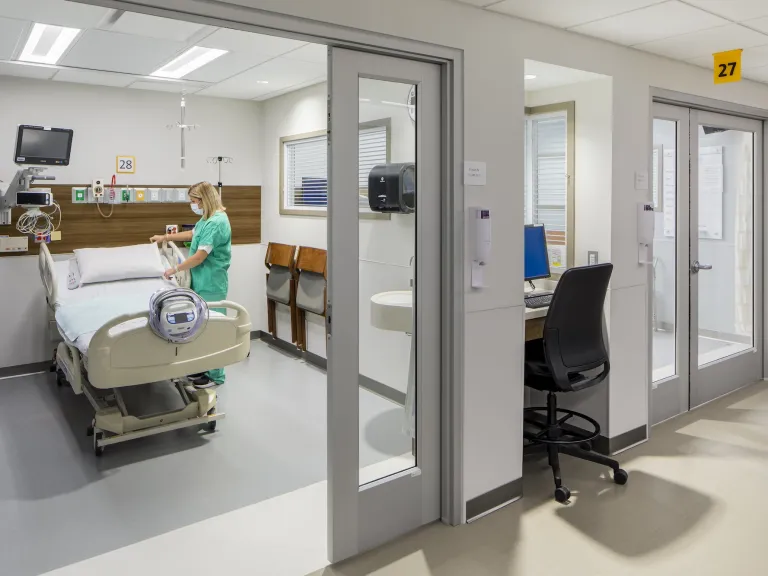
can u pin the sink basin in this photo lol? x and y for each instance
(393, 311)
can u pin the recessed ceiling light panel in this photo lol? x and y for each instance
(46, 43)
(194, 58)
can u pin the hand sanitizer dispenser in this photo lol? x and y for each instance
(481, 239)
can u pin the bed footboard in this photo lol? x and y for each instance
(138, 356)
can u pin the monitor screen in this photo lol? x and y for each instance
(39, 145)
(536, 256)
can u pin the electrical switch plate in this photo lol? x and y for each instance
(591, 258)
(181, 195)
(154, 194)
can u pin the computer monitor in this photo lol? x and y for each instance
(536, 256)
(42, 145)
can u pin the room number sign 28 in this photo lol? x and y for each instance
(727, 66)
(126, 165)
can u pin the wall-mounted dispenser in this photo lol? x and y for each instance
(480, 220)
(646, 222)
(392, 188)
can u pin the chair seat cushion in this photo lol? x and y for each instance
(310, 295)
(279, 284)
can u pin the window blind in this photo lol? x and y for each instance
(306, 173)
(546, 197)
(372, 152)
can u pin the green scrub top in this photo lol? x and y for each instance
(211, 279)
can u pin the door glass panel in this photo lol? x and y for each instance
(725, 242)
(664, 188)
(387, 363)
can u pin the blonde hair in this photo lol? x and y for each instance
(208, 196)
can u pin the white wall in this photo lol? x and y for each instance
(386, 246)
(108, 122)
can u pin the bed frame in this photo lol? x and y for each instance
(137, 356)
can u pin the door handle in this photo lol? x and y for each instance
(696, 266)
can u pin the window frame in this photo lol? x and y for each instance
(323, 212)
(570, 161)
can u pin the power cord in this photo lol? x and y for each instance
(36, 222)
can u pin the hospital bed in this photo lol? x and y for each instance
(125, 351)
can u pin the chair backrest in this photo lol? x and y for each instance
(573, 329)
(280, 260)
(311, 267)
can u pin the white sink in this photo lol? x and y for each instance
(393, 311)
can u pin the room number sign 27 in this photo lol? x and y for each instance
(727, 66)
(125, 165)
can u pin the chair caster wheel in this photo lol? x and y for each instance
(620, 477)
(562, 494)
(211, 426)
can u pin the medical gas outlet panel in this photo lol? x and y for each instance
(103, 193)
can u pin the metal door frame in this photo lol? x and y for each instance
(452, 61)
(670, 396)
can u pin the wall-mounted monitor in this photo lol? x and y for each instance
(43, 145)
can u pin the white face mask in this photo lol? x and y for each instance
(196, 209)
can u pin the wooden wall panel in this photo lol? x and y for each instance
(83, 227)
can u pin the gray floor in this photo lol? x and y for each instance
(60, 504)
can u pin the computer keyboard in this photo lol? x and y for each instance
(538, 301)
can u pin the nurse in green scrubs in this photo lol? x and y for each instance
(210, 257)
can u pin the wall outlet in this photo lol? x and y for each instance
(14, 244)
(79, 195)
(140, 195)
(591, 258)
(98, 188)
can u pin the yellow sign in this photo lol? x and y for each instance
(125, 165)
(140, 195)
(728, 66)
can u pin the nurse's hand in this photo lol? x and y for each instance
(159, 238)
(168, 274)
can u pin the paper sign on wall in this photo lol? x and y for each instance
(727, 66)
(474, 173)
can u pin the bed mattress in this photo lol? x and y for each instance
(133, 288)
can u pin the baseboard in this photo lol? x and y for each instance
(289, 348)
(24, 370)
(485, 503)
(609, 446)
(383, 390)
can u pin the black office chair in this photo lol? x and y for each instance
(570, 357)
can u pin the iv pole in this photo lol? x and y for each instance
(220, 160)
(183, 127)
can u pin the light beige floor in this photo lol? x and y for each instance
(695, 505)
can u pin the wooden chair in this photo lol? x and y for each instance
(311, 289)
(281, 284)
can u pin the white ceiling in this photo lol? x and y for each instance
(551, 76)
(687, 30)
(121, 49)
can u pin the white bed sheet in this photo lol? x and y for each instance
(144, 287)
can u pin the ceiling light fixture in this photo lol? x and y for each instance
(530, 76)
(191, 60)
(46, 43)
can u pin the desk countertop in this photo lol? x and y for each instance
(533, 313)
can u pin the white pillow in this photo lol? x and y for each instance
(124, 263)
